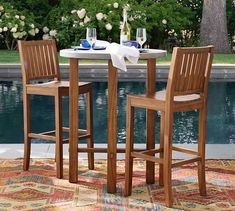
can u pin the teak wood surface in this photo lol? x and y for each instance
(187, 89)
(39, 61)
(74, 57)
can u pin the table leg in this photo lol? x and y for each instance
(150, 121)
(73, 120)
(112, 128)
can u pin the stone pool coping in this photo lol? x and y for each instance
(12, 151)
(99, 72)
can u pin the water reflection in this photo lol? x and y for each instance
(220, 127)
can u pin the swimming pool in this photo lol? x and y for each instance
(220, 119)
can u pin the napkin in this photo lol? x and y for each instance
(119, 53)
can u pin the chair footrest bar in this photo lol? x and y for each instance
(102, 150)
(152, 151)
(183, 150)
(79, 138)
(66, 129)
(183, 162)
(84, 136)
(146, 157)
(52, 132)
(42, 136)
(98, 150)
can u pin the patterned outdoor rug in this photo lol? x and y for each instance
(38, 189)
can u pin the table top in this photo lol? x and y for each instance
(103, 54)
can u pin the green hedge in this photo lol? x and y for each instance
(168, 22)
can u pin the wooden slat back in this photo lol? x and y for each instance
(190, 70)
(39, 60)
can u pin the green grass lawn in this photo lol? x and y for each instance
(12, 57)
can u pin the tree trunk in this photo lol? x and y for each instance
(214, 25)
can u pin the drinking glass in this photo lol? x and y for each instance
(141, 36)
(91, 36)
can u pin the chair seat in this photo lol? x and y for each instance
(53, 86)
(56, 84)
(161, 95)
(157, 102)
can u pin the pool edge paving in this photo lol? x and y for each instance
(136, 72)
(13, 151)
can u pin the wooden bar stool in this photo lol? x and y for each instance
(186, 90)
(39, 61)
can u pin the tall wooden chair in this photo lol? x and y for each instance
(39, 61)
(186, 90)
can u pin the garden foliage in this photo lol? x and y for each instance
(168, 22)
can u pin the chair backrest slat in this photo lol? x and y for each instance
(33, 54)
(190, 70)
(39, 60)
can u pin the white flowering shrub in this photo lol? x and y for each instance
(66, 21)
(15, 25)
(158, 18)
(71, 24)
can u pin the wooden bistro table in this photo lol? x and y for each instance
(74, 57)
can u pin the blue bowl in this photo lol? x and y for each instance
(131, 43)
(85, 43)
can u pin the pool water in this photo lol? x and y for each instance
(220, 119)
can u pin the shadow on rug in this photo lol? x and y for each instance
(39, 189)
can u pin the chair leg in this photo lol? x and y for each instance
(162, 118)
(58, 135)
(168, 158)
(129, 148)
(150, 144)
(27, 140)
(201, 151)
(89, 126)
